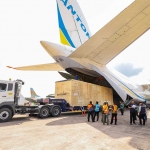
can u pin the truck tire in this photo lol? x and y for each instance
(56, 111)
(5, 114)
(44, 112)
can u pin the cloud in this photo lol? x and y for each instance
(143, 77)
(128, 69)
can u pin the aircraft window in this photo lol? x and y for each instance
(3, 87)
(10, 87)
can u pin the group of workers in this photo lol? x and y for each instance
(138, 111)
(93, 111)
(135, 111)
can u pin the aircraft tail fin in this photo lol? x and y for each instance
(73, 28)
(33, 94)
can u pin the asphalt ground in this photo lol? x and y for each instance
(71, 131)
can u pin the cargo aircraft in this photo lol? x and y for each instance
(86, 55)
(34, 97)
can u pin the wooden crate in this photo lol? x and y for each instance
(78, 93)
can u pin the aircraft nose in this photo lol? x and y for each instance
(51, 48)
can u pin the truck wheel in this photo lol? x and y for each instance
(44, 112)
(56, 111)
(5, 114)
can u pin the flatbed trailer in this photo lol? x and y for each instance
(64, 105)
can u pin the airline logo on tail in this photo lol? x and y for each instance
(65, 2)
(33, 94)
(73, 29)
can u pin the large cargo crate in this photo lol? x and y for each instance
(79, 93)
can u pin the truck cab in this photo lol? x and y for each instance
(6, 92)
(8, 97)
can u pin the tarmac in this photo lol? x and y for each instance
(71, 131)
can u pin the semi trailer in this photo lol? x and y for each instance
(64, 105)
(13, 102)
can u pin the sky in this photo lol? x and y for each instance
(24, 23)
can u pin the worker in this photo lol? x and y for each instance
(102, 112)
(144, 104)
(132, 107)
(114, 113)
(97, 110)
(90, 109)
(105, 114)
(136, 112)
(141, 113)
(122, 107)
(76, 77)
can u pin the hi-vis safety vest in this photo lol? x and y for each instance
(105, 109)
(114, 111)
(90, 107)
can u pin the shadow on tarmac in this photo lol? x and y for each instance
(17, 120)
(139, 135)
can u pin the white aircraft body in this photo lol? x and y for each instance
(34, 97)
(82, 53)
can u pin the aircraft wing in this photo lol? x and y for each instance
(43, 67)
(117, 35)
(31, 100)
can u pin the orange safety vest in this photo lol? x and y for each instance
(89, 106)
(114, 110)
(105, 109)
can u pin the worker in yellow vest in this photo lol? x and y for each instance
(114, 113)
(105, 114)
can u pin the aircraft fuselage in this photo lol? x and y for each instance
(122, 85)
